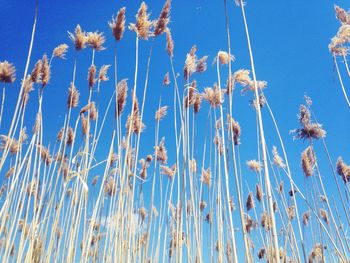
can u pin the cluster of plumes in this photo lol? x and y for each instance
(160, 152)
(343, 170)
(168, 171)
(214, 95)
(7, 72)
(206, 176)
(277, 159)
(60, 51)
(122, 93)
(193, 97)
(324, 215)
(308, 161)
(73, 96)
(144, 166)
(41, 72)
(339, 43)
(254, 165)
(193, 64)
(242, 76)
(161, 113)
(134, 123)
(234, 130)
(102, 75)
(117, 24)
(308, 129)
(93, 39)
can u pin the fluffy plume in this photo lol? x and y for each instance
(78, 38)
(134, 122)
(102, 75)
(169, 43)
(259, 193)
(206, 176)
(324, 215)
(214, 96)
(308, 161)
(166, 80)
(60, 51)
(162, 22)
(168, 171)
(27, 88)
(45, 71)
(7, 72)
(70, 136)
(73, 96)
(342, 15)
(117, 24)
(161, 113)
(306, 218)
(277, 159)
(160, 152)
(190, 63)
(143, 24)
(343, 170)
(250, 201)
(122, 89)
(308, 130)
(92, 76)
(254, 165)
(224, 57)
(36, 72)
(95, 40)
(234, 129)
(242, 77)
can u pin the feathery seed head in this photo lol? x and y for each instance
(162, 22)
(7, 72)
(60, 51)
(96, 40)
(73, 97)
(78, 38)
(102, 75)
(117, 24)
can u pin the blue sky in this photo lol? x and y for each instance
(290, 45)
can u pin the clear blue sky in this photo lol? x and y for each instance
(290, 44)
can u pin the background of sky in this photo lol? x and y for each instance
(290, 46)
